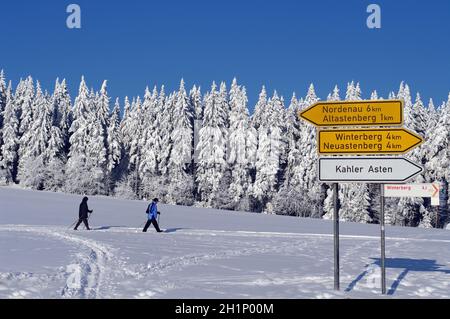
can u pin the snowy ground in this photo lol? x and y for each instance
(204, 254)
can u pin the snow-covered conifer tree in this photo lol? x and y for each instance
(307, 170)
(374, 95)
(260, 108)
(212, 148)
(86, 168)
(55, 159)
(290, 199)
(438, 158)
(3, 89)
(10, 147)
(150, 144)
(223, 100)
(242, 148)
(125, 187)
(96, 151)
(114, 141)
(78, 129)
(135, 151)
(62, 111)
(181, 154)
(148, 164)
(181, 136)
(197, 105)
(31, 144)
(26, 102)
(103, 108)
(409, 209)
(157, 179)
(3, 93)
(335, 96)
(269, 154)
(125, 124)
(103, 111)
(35, 158)
(195, 97)
(165, 125)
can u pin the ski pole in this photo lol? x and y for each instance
(89, 217)
(72, 224)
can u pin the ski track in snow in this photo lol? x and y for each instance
(176, 264)
(166, 264)
(238, 233)
(294, 245)
(99, 265)
(92, 268)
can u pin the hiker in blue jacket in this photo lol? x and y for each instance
(153, 213)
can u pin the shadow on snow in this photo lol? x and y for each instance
(421, 265)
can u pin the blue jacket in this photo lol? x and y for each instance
(153, 211)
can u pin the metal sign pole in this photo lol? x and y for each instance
(383, 242)
(336, 235)
(437, 218)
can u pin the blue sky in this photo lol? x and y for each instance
(283, 44)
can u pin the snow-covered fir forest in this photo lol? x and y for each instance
(204, 149)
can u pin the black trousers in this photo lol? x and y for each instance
(82, 220)
(155, 224)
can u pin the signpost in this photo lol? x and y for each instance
(360, 113)
(367, 170)
(367, 141)
(414, 190)
(383, 242)
(336, 234)
(364, 141)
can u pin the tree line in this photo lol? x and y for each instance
(203, 149)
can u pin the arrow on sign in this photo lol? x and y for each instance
(367, 141)
(360, 113)
(436, 190)
(381, 170)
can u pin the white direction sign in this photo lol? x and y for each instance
(414, 190)
(381, 170)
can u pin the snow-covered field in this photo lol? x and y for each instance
(203, 254)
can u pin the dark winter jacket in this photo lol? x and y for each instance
(84, 210)
(153, 211)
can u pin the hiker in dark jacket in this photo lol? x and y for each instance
(153, 213)
(83, 214)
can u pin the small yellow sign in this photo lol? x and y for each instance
(360, 113)
(367, 141)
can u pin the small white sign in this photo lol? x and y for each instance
(378, 170)
(414, 190)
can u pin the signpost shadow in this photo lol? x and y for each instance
(407, 264)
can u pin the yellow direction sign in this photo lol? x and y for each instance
(367, 141)
(360, 113)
